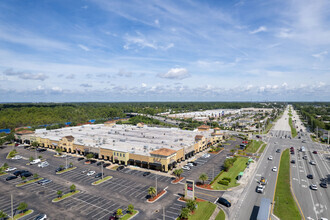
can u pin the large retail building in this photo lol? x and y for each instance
(149, 147)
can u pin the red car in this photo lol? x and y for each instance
(314, 152)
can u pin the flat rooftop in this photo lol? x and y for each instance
(126, 138)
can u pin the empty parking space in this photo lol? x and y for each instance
(153, 176)
(171, 212)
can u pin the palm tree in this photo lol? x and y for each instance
(203, 177)
(3, 215)
(2, 170)
(73, 188)
(185, 212)
(31, 159)
(59, 193)
(22, 207)
(152, 191)
(191, 205)
(119, 212)
(130, 208)
(178, 172)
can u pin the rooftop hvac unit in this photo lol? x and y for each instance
(133, 148)
(152, 149)
(157, 147)
(181, 139)
(109, 132)
(145, 147)
(176, 140)
(122, 140)
(113, 141)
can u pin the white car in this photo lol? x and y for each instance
(274, 169)
(270, 158)
(190, 164)
(313, 187)
(90, 173)
(186, 167)
(11, 169)
(17, 157)
(43, 164)
(35, 161)
(312, 162)
(63, 155)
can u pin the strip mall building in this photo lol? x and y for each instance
(147, 147)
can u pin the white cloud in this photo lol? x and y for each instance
(157, 22)
(57, 89)
(85, 85)
(175, 73)
(83, 47)
(124, 73)
(26, 75)
(143, 85)
(84, 7)
(260, 29)
(285, 33)
(320, 55)
(141, 42)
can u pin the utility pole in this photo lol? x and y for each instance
(66, 162)
(156, 185)
(12, 208)
(163, 212)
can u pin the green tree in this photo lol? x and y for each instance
(40, 157)
(2, 169)
(152, 191)
(22, 207)
(23, 178)
(73, 188)
(59, 194)
(191, 205)
(185, 212)
(34, 144)
(5, 165)
(203, 177)
(31, 159)
(130, 208)
(119, 212)
(35, 176)
(89, 156)
(178, 172)
(3, 215)
(58, 151)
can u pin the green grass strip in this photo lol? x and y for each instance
(204, 211)
(65, 196)
(9, 157)
(253, 146)
(3, 173)
(293, 129)
(128, 216)
(221, 215)
(262, 148)
(18, 216)
(101, 180)
(114, 167)
(28, 182)
(239, 166)
(66, 170)
(285, 205)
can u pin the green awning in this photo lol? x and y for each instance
(250, 160)
(241, 173)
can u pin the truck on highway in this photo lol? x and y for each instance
(264, 209)
(263, 181)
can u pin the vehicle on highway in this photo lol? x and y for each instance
(270, 158)
(99, 175)
(293, 161)
(10, 178)
(278, 151)
(264, 209)
(17, 157)
(9, 169)
(35, 161)
(120, 168)
(314, 152)
(302, 149)
(303, 141)
(44, 181)
(313, 187)
(106, 164)
(41, 217)
(312, 162)
(186, 168)
(43, 164)
(90, 173)
(26, 174)
(310, 176)
(224, 202)
(146, 173)
(324, 184)
(260, 188)
(18, 172)
(263, 181)
(274, 169)
(80, 158)
(305, 157)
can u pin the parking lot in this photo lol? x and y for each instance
(172, 211)
(151, 176)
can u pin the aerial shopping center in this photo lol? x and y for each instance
(148, 147)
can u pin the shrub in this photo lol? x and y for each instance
(216, 177)
(223, 182)
(227, 178)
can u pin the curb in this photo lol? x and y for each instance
(134, 215)
(178, 181)
(23, 215)
(96, 184)
(157, 198)
(60, 172)
(65, 197)
(29, 182)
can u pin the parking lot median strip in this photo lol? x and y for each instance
(66, 170)
(129, 216)
(3, 173)
(58, 199)
(28, 182)
(114, 167)
(21, 215)
(101, 180)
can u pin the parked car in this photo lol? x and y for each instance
(26, 174)
(17, 157)
(186, 167)
(106, 164)
(98, 175)
(10, 178)
(100, 163)
(310, 176)
(41, 149)
(35, 161)
(18, 172)
(314, 152)
(90, 173)
(146, 173)
(224, 202)
(44, 181)
(305, 157)
(9, 169)
(120, 168)
(195, 163)
(80, 158)
(59, 169)
(41, 217)
(313, 187)
(43, 164)
(190, 164)
(278, 151)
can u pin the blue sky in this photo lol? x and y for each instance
(103, 50)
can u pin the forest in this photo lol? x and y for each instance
(15, 115)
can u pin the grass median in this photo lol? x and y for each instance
(65, 196)
(285, 205)
(128, 215)
(262, 148)
(221, 215)
(101, 180)
(27, 182)
(293, 129)
(21, 215)
(66, 170)
(232, 173)
(253, 146)
(204, 211)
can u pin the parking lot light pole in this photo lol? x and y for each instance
(163, 212)
(12, 209)
(66, 162)
(156, 185)
(102, 170)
